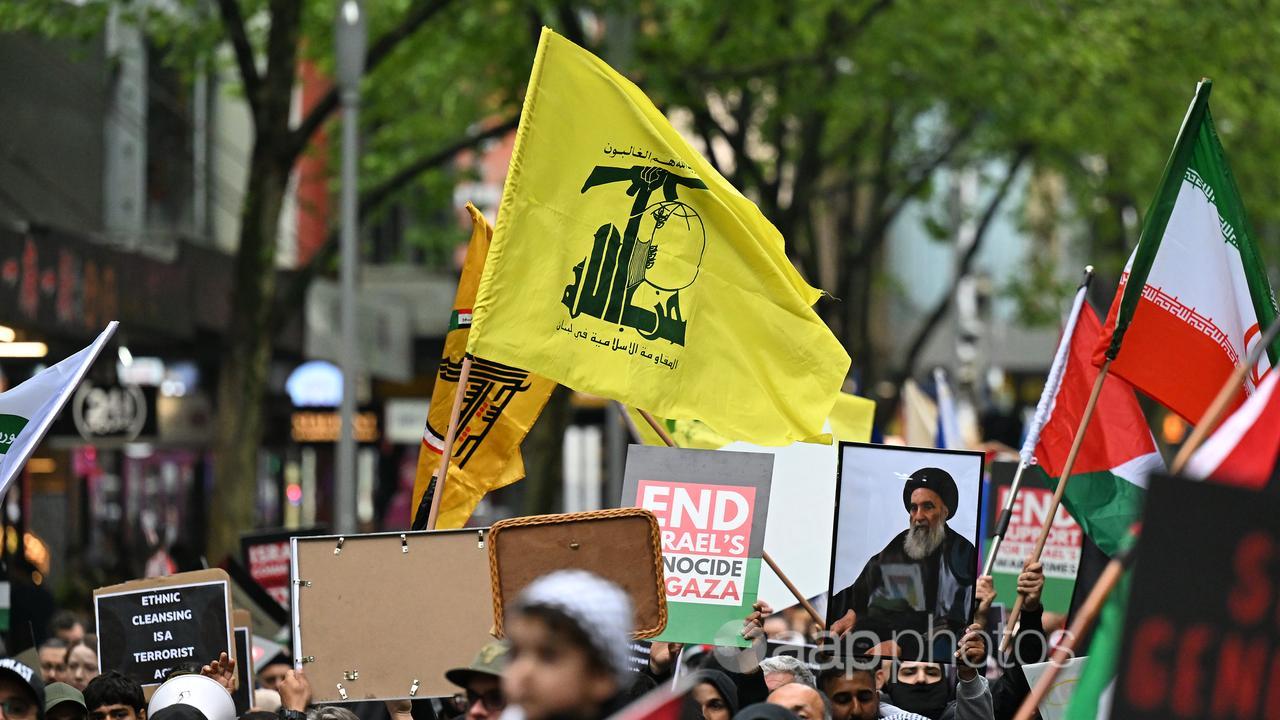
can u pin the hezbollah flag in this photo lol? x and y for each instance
(499, 406)
(624, 265)
(1108, 481)
(851, 419)
(1194, 293)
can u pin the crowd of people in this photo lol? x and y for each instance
(566, 656)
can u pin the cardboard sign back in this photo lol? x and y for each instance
(622, 546)
(383, 616)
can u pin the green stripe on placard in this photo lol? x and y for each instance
(702, 623)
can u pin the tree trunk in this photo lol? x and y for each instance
(245, 360)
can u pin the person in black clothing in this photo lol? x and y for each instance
(921, 582)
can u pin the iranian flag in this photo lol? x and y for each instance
(1108, 480)
(27, 411)
(1195, 292)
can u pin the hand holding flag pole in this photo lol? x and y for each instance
(1043, 408)
(1047, 526)
(804, 602)
(1111, 575)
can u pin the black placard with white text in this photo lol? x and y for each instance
(144, 632)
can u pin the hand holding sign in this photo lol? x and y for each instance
(295, 691)
(1030, 585)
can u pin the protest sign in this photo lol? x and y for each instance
(383, 616)
(1061, 556)
(145, 627)
(712, 507)
(523, 549)
(1202, 636)
(242, 626)
(1054, 705)
(892, 578)
(266, 556)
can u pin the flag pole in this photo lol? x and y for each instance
(1110, 577)
(1218, 408)
(804, 601)
(442, 471)
(1052, 382)
(1080, 626)
(1047, 526)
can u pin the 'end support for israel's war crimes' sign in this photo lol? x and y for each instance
(711, 507)
(146, 627)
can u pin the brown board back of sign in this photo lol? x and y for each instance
(146, 627)
(523, 549)
(383, 616)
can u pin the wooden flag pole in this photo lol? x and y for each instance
(1047, 526)
(446, 457)
(1080, 625)
(804, 602)
(1222, 402)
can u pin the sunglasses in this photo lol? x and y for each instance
(493, 701)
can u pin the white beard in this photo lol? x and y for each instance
(922, 541)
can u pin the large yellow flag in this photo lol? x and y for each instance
(624, 265)
(851, 419)
(498, 408)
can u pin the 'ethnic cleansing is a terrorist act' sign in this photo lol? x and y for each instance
(711, 507)
(146, 627)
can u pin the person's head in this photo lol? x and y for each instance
(273, 672)
(53, 660)
(920, 687)
(66, 626)
(82, 665)
(568, 633)
(930, 498)
(853, 693)
(806, 702)
(257, 714)
(481, 682)
(330, 712)
(783, 669)
(21, 691)
(715, 694)
(63, 702)
(115, 697)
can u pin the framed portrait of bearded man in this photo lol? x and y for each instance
(904, 564)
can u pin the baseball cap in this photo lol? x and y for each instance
(490, 661)
(28, 676)
(60, 692)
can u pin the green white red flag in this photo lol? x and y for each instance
(1108, 480)
(1194, 294)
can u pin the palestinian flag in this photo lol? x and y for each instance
(1194, 293)
(1091, 699)
(1108, 480)
(1244, 448)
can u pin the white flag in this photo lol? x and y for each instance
(27, 411)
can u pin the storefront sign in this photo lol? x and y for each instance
(120, 412)
(308, 427)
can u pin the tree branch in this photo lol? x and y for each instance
(381, 48)
(371, 200)
(931, 322)
(233, 22)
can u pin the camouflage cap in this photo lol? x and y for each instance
(490, 661)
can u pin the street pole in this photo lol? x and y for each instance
(349, 43)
